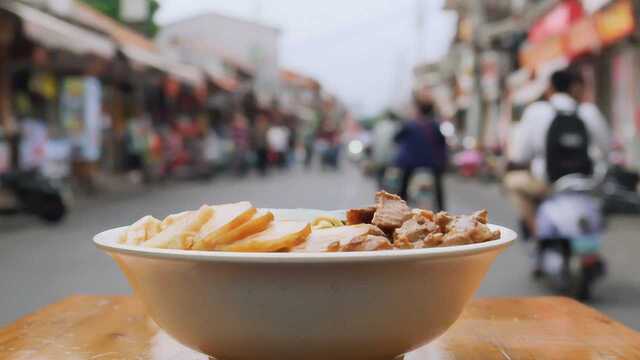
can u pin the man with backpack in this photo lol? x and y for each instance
(556, 137)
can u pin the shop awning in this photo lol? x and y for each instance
(226, 83)
(52, 32)
(137, 48)
(185, 73)
(220, 79)
(146, 58)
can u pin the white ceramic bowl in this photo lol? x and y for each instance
(312, 306)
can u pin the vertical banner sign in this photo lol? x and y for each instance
(616, 22)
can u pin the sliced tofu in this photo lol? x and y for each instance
(141, 230)
(180, 234)
(227, 217)
(259, 222)
(280, 235)
(322, 240)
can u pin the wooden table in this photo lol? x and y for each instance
(116, 327)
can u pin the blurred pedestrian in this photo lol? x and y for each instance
(309, 140)
(383, 147)
(291, 121)
(421, 144)
(555, 137)
(329, 141)
(240, 137)
(278, 140)
(212, 151)
(260, 144)
(136, 145)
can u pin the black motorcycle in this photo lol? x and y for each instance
(32, 193)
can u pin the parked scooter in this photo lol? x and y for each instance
(570, 225)
(33, 193)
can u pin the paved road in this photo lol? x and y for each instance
(40, 264)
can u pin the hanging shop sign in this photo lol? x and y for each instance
(556, 21)
(616, 22)
(582, 38)
(534, 56)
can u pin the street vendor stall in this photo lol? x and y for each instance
(34, 40)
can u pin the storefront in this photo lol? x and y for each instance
(591, 37)
(620, 95)
(43, 52)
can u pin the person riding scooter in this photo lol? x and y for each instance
(561, 139)
(558, 136)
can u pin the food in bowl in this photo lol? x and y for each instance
(316, 301)
(240, 227)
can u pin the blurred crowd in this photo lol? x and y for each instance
(404, 143)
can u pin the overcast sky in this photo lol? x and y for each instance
(362, 50)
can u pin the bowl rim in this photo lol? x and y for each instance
(107, 241)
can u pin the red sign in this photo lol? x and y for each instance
(616, 22)
(582, 38)
(557, 21)
(536, 55)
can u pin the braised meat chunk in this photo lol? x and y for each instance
(469, 229)
(482, 216)
(442, 219)
(391, 212)
(431, 240)
(334, 238)
(360, 215)
(367, 243)
(416, 228)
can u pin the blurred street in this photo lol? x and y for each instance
(48, 263)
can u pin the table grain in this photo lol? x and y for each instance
(116, 327)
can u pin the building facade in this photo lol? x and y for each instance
(221, 44)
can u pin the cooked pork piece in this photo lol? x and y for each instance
(367, 243)
(469, 230)
(391, 212)
(431, 240)
(443, 219)
(481, 215)
(332, 239)
(360, 215)
(414, 229)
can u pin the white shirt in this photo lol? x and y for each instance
(531, 134)
(278, 138)
(383, 145)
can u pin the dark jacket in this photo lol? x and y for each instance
(421, 144)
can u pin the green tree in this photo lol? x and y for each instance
(111, 8)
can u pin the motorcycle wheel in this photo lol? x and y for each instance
(591, 271)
